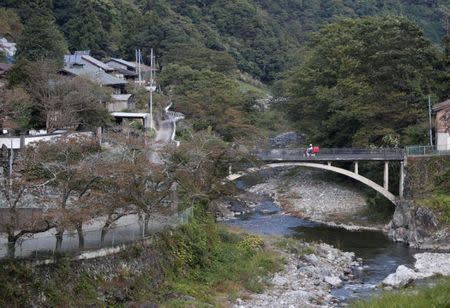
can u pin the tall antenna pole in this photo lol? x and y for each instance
(429, 117)
(139, 66)
(151, 88)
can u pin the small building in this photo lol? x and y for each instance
(89, 67)
(123, 68)
(121, 102)
(442, 124)
(122, 117)
(129, 69)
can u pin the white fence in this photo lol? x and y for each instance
(18, 142)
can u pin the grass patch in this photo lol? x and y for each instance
(425, 297)
(197, 265)
(235, 262)
(439, 203)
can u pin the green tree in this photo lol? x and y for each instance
(10, 24)
(210, 99)
(86, 24)
(41, 40)
(363, 81)
(443, 74)
(15, 104)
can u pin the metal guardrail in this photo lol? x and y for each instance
(423, 150)
(331, 154)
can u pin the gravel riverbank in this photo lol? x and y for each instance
(307, 279)
(311, 194)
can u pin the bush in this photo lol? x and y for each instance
(441, 203)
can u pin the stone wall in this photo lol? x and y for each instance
(414, 222)
(425, 175)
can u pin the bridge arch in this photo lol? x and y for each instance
(390, 196)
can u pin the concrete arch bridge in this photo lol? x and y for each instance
(295, 157)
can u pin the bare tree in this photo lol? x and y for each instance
(18, 219)
(200, 165)
(15, 106)
(135, 184)
(66, 102)
(68, 190)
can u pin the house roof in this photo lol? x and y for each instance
(442, 105)
(72, 59)
(93, 73)
(124, 62)
(97, 63)
(125, 72)
(131, 65)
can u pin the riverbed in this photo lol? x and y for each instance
(379, 255)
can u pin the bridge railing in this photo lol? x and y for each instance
(354, 153)
(379, 152)
(421, 150)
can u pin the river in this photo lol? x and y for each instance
(380, 255)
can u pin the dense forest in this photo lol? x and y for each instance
(212, 53)
(261, 36)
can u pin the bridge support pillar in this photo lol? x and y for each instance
(329, 163)
(386, 175)
(356, 167)
(401, 187)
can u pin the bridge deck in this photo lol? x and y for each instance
(330, 155)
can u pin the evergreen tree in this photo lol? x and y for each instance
(443, 75)
(86, 26)
(40, 40)
(363, 81)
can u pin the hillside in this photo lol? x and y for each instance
(259, 37)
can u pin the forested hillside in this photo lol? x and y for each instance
(260, 37)
(332, 60)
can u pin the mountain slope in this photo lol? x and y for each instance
(257, 36)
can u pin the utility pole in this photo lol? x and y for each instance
(11, 158)
(429, 117)
(151, 87)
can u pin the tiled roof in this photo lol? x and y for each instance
(96, 62)
(132, 65)
(124, 62)
(94, 73)
(72, 59)
(125, 72)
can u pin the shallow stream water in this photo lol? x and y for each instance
(380, 255)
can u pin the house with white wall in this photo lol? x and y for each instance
(442, 124)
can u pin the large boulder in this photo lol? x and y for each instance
(335, 282)
(402, 277)
(427, 264)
